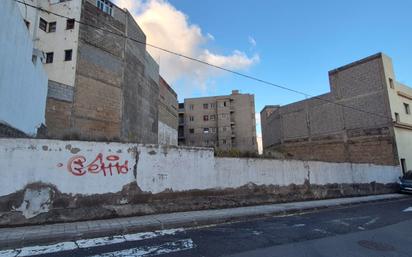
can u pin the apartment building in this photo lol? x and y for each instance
(102, 85)
(331, 127)
(168, 116)
(225, 122)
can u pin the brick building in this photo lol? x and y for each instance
(101, 85)
(225, 122)
(333, 130)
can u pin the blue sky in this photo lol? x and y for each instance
(297, 42)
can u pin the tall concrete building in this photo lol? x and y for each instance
(167, 114)
(225, 122)
(101, 85)
(330, 127)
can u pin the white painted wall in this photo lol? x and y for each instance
(397, 99)
(57, 42)
(161, 168)
(166, 134)
(23, 84)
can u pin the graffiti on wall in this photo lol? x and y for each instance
(111, 165)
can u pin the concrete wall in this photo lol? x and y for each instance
(51, 181)
(330, 127)
(168, 122)
(23, 81)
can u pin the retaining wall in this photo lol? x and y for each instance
(55, 181)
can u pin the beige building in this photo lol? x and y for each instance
(101, 86)
(330, 127)
(224, 122)
(167, 114)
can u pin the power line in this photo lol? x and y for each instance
(203, 62)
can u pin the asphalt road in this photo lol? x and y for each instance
(372, 229)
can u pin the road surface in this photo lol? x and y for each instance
(371, 229)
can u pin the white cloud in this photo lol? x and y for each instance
(210, 36)
(169, 28)
(252, 41)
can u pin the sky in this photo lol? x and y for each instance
(291, 43)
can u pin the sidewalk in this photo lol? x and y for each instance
(42, 234)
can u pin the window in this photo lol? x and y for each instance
(70, 24)
(43, 24)
(191, 131)
(397, 119)
(49, 57)
(391, 83)
(212, 117)
(105, 5)
(205, 106)
(191, 107)
(52, 27)
(224, 141)
(407, 110)
(205, 117)
(212, 106)
(224, 128)
(205, 130)
(224, 103)
(191, 118)
(213, 130)
(68, 55)
(27, 24)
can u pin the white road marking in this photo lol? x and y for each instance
(37, 250)
(144, 251)
(298, 225)
(8, 253)
(86, 243)
(371, 221)
(408, 209)
(148, 235)
(320, 231)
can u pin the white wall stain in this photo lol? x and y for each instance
(35, 201)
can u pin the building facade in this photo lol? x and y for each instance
(102, 84)
(23, 80)
(168, 114)
(224, 122)
(331, 127)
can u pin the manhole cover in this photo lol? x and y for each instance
(377, 246)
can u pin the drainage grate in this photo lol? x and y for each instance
(377, 246)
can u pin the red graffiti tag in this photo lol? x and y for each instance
(109, 165)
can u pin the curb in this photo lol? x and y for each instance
(48, 234)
